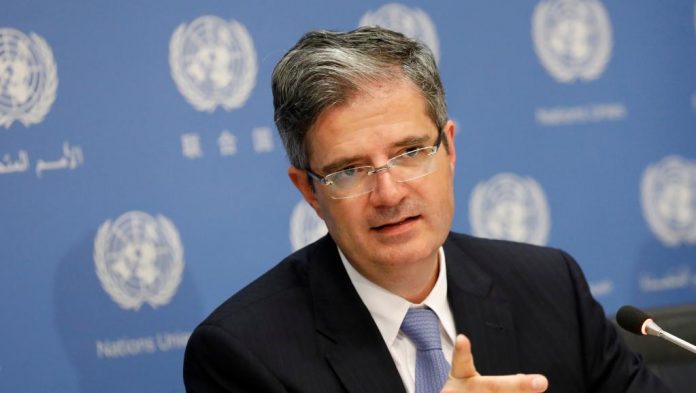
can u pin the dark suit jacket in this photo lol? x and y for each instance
(302, 327)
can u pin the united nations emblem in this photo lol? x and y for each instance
(412, 22)
(572, 38)
(213, 63)
(510, 207)
(305, 226)
(28, 78)
(139, 259)
(668, 196)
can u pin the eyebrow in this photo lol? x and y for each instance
(342, 162)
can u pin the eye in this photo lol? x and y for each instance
(348, 172)
(413, 152)
(345, 175)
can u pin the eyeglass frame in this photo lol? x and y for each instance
(376, 170)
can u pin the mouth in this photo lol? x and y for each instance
(403, 223)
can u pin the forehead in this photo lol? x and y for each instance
(380, 116)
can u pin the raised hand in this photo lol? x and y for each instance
(464, 377)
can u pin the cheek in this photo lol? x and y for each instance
(440, 198)
(340, 217)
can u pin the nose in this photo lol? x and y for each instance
(387, 191)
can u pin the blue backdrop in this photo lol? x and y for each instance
(142, 181)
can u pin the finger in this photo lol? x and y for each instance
(512, 383)
(462, 359)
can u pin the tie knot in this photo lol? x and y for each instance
(422, 326)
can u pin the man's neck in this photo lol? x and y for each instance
(413, 283)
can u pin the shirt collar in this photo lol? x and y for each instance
(388, 309)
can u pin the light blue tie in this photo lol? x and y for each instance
(422, 326)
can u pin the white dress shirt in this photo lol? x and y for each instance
(388, 311)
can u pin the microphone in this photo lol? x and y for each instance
(640, 323)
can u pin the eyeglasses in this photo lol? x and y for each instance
(353, 182)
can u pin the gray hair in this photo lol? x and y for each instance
(327, 68)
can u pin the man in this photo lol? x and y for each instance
(390, 298)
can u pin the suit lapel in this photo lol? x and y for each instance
(351, 340)
(480, 312)
(354, 347)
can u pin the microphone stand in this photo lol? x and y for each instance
(654, 329)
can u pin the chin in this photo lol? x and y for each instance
(402, 254)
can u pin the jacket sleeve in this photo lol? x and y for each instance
(215, 362)
(610, 366)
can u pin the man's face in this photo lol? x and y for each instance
(397, 225)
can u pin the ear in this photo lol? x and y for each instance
(450, 131)
(300, 179)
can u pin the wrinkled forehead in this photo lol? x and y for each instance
(379, 113)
